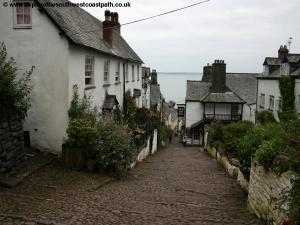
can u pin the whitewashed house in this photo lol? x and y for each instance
(220, 96)
(67, 46)
(268, 92)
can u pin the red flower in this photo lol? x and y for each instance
(287, 222)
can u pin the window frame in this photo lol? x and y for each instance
(262, 99)
(118, 71)
(132, 73)
(138, 73)
(15, 15)
(271, 102)
(91, 71)
(126, 73)
(106, 70)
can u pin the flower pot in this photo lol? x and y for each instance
(73, 158)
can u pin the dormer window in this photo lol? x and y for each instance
(22, 15)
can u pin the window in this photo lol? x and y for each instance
(118, 71)
(133, 73)
(106, 70)
(271, 102)
(126, 72)
(22, 15)
(89, 70)
(262, 101)
(138, 73)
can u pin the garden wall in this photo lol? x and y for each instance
(11, 143)
(264, 191)
(232, 170)
(145, 152)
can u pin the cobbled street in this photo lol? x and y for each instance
(176, 186)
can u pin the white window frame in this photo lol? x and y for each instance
(132, 73)
(271, 102)
(89, 69)
(138, 73)
(262, 100)
(15, 20)
(118, 70)
(126, 72)
(106, 71)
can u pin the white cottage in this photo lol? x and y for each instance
(67, 46)
(220, 96)
(268, 92)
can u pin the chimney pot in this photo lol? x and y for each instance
(283, 52)
(108, 28)
(115, 21)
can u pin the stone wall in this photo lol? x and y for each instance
(232, 171)
(264, 191)
(11, 143)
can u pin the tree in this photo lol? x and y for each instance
(14, 90)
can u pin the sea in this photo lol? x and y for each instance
(173, 85)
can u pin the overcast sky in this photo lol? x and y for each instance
(242, 32)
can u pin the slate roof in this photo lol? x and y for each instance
(110, 101)
(83, 29)
(227, 97)
(241, 88)
(275, 61)
(196, 90)
(294, 58)
(244, 85)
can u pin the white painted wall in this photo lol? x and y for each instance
(58, 66)
(44, 48)
(249, 112)
(194, 113)
(154, 143)
(269, 87)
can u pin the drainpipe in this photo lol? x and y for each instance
(124, 81)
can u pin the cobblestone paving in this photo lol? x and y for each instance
(176, 186)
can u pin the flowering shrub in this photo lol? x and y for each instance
(115, 153)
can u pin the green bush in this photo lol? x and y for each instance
(162, 134)
(287, 116)
(82, 108)
(129, 109)
(232, 135)
(14, 91)
(215, 135)
(115, 150)
(264, 117)
(81, 134)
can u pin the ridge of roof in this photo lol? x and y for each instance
(82, 28)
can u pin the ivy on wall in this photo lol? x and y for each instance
(287, 91)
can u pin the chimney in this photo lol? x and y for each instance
(108, 28)
(283, 52)
(154, 77)
(115, 22)
(218, 77)
(207, 73)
